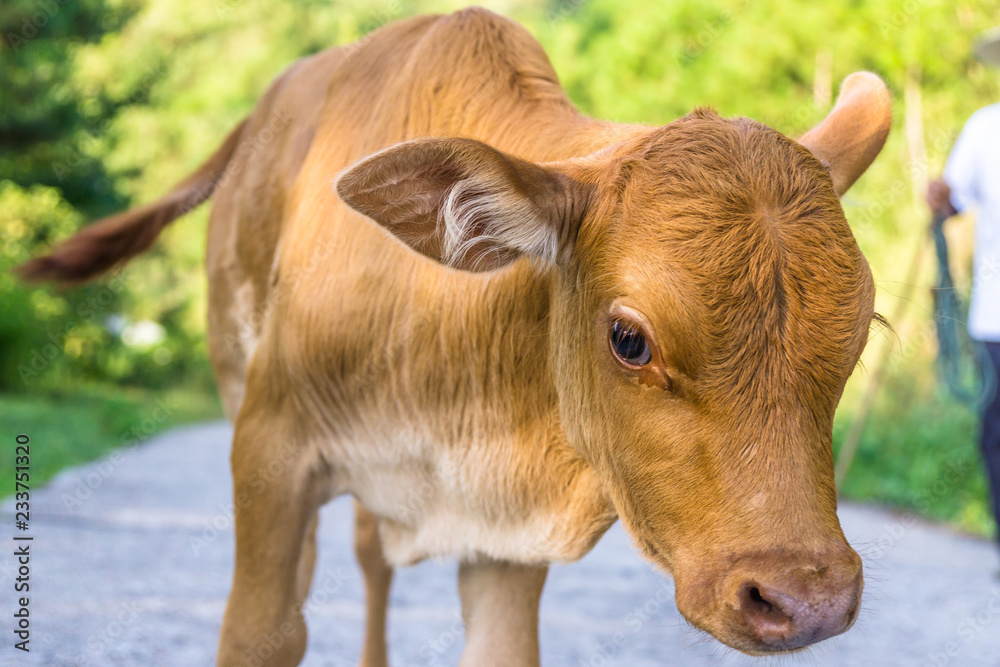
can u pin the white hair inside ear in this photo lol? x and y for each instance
(466, 204)
(479, 218)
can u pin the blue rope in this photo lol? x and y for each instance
(961, 361)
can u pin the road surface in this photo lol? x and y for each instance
(132, 558)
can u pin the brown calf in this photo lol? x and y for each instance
(536, 323)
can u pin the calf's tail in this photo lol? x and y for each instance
(114, 240)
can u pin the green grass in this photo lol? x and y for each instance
(919, 453)
(69, 428)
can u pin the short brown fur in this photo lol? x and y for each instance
(487, 387)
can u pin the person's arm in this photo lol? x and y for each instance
(957, 190)
(939, 198)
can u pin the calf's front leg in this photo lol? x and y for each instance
(500, 610)
(276, 497)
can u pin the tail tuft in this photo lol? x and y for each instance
(99, 247)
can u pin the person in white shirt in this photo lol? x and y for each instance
(971, 181)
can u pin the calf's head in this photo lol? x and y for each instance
(709, 304)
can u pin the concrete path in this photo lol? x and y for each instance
(132, 558)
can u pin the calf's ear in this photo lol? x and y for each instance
(467, 204)
(849, 139)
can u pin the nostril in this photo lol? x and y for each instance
(759, 600)
(764, 615)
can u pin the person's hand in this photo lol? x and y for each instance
(939, 198)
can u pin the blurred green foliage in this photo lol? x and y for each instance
(106, 103)
(46, 111)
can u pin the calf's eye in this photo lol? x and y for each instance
(628, 344)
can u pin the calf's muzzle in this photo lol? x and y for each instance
(792, 602)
